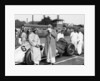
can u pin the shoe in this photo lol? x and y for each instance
(52, 63)
(36, 64)
(48, 63)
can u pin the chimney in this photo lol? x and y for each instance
(26, 20)
(32, 18)
(58, 17)
(43, 16)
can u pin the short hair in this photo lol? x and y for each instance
(15, 30)
(34, 30)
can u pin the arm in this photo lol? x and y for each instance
(53, 34)
(32, 40)
(38, 40)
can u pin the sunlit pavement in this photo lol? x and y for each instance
(67, 60)
(76, 60)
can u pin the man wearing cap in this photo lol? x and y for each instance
(35, 42)
(52, 46)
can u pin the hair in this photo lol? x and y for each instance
(22, 30)
(34, 30)
(15, 30)
(61, 31)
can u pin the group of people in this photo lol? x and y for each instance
(77, 39)
(50, 45)
(33, 39)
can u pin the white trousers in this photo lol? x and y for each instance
(52, 60)
(36, 62)
(74, 41)
(79, 47)
(36, 55)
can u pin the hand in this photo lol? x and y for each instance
(37, 46)
(23, 48)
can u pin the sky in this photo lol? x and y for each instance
(70, 18)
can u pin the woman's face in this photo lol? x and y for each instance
(36, 31)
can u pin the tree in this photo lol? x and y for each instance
(19, 24)
(45, 21)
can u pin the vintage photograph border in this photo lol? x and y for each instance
(57, 70)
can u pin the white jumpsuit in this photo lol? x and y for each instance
(60, 35)
(80, 43)
(74, 39)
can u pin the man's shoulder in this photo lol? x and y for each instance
(31, 34)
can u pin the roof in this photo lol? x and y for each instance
(56, 20)
(73, 27)
(37, 26)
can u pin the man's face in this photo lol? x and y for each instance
(36, 31)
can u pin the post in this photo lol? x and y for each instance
(58, 17)
(26, 20)
(32, 19)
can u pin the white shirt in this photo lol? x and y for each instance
(60, 35)
(80, 36)
(74, 36)
(71, 35)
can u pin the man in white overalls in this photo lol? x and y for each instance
(80, 42)
(74, 38)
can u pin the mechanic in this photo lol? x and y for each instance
(79, 42)
(35, 49)
(73, 37)
(52, 46)
(60, 35)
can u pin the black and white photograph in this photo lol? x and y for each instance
(49, 40)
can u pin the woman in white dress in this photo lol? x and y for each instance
(35, 42)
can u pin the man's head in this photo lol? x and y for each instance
(50, 26)
(75, 30)
(35, 30)
(72, 30)
(49, 29)
(23, 30)
(62, 31)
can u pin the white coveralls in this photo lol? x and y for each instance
(60, 35)
(36, 54)
(74, 39)
(80, 43)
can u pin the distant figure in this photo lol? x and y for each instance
(23, 37)
(35, 43)
(52, 46)
(47, 42)
(79, 42)
(16, 38)
(60, 35)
